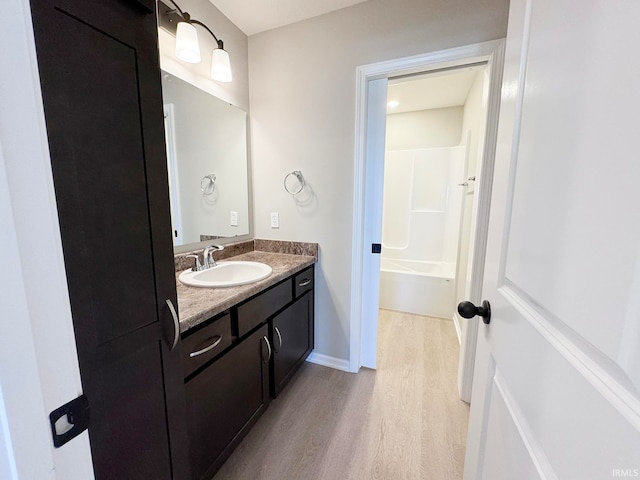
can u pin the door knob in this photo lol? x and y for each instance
(469, 310)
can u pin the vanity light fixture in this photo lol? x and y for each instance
(179, 23)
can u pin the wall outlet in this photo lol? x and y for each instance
(275, 220)
(234, 219)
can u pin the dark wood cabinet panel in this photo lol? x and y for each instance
(200, 346)
(258, 309)
(292, 333)
(100, 79)
(224, 400)
(303, 281)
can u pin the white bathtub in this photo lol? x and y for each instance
(425, 288)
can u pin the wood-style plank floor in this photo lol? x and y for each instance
(401, 421)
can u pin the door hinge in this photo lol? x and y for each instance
(76, 420)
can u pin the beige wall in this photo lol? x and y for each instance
(302, 95)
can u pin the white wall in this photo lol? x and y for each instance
(418, 197)
(302, 86)
(438, 127)
(422, 201)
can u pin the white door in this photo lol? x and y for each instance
(556, 389)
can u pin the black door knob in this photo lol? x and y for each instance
(469, 310)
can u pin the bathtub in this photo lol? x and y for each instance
(424, 288)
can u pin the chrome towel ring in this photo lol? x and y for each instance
(208, 184)
(290, 185)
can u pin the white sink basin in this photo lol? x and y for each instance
(226, 274)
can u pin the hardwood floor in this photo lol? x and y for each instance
(401, 421)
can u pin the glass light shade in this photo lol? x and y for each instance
(187, 48)
(220, 66)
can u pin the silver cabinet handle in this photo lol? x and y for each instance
(279, 339)
(305, 282)
(269, 349)
(206, 349)
(176, 325)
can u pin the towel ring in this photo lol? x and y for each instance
(298, 175)
(208, 184)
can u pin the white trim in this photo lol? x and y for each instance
(474, 463)
(483, 204)
(491, 52)
(623, 400)
(372, 229)
(456, 323)
(358, 223)
(174, 178)
(536, 453)
(328, 361)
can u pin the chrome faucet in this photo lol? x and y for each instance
(197, 266)
(209, 261)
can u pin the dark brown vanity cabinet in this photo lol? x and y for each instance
(224, 400)
(229, 386)
(101, 91)
(292, 333)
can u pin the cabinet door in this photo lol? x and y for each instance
(292, 333)
(224, 401)
(101, 90)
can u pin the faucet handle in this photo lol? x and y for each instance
(209, 261)
(197, 266)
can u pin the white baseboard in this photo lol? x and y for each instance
(456, 322)
(327, 361)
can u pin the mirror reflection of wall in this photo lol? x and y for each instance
(206, 139)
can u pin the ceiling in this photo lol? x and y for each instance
(432, 90)
(255, 16)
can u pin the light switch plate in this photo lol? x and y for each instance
(234, 219)
(275, 220)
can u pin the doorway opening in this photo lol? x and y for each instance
(461, 250)
(435, 127)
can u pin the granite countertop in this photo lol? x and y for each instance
(195, 305)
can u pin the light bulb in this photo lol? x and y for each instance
(187, 48)
(220, 66)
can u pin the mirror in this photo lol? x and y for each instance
(207, 163)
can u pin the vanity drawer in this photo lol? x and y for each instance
(258, 309)
(303, 281)
(201, 346)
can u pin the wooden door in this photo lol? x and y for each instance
(557, 382)
(100, 78)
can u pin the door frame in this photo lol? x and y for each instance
(363, 323)
(173, 170)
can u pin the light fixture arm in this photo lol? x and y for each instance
(187, 18)
(198, 22)
(179, 23)
(184, 15)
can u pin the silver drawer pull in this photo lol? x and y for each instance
(305, 282)
(269, 349)
(279, 339)
(176, 325)
(210, 347)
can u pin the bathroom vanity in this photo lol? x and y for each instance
(240, 347)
